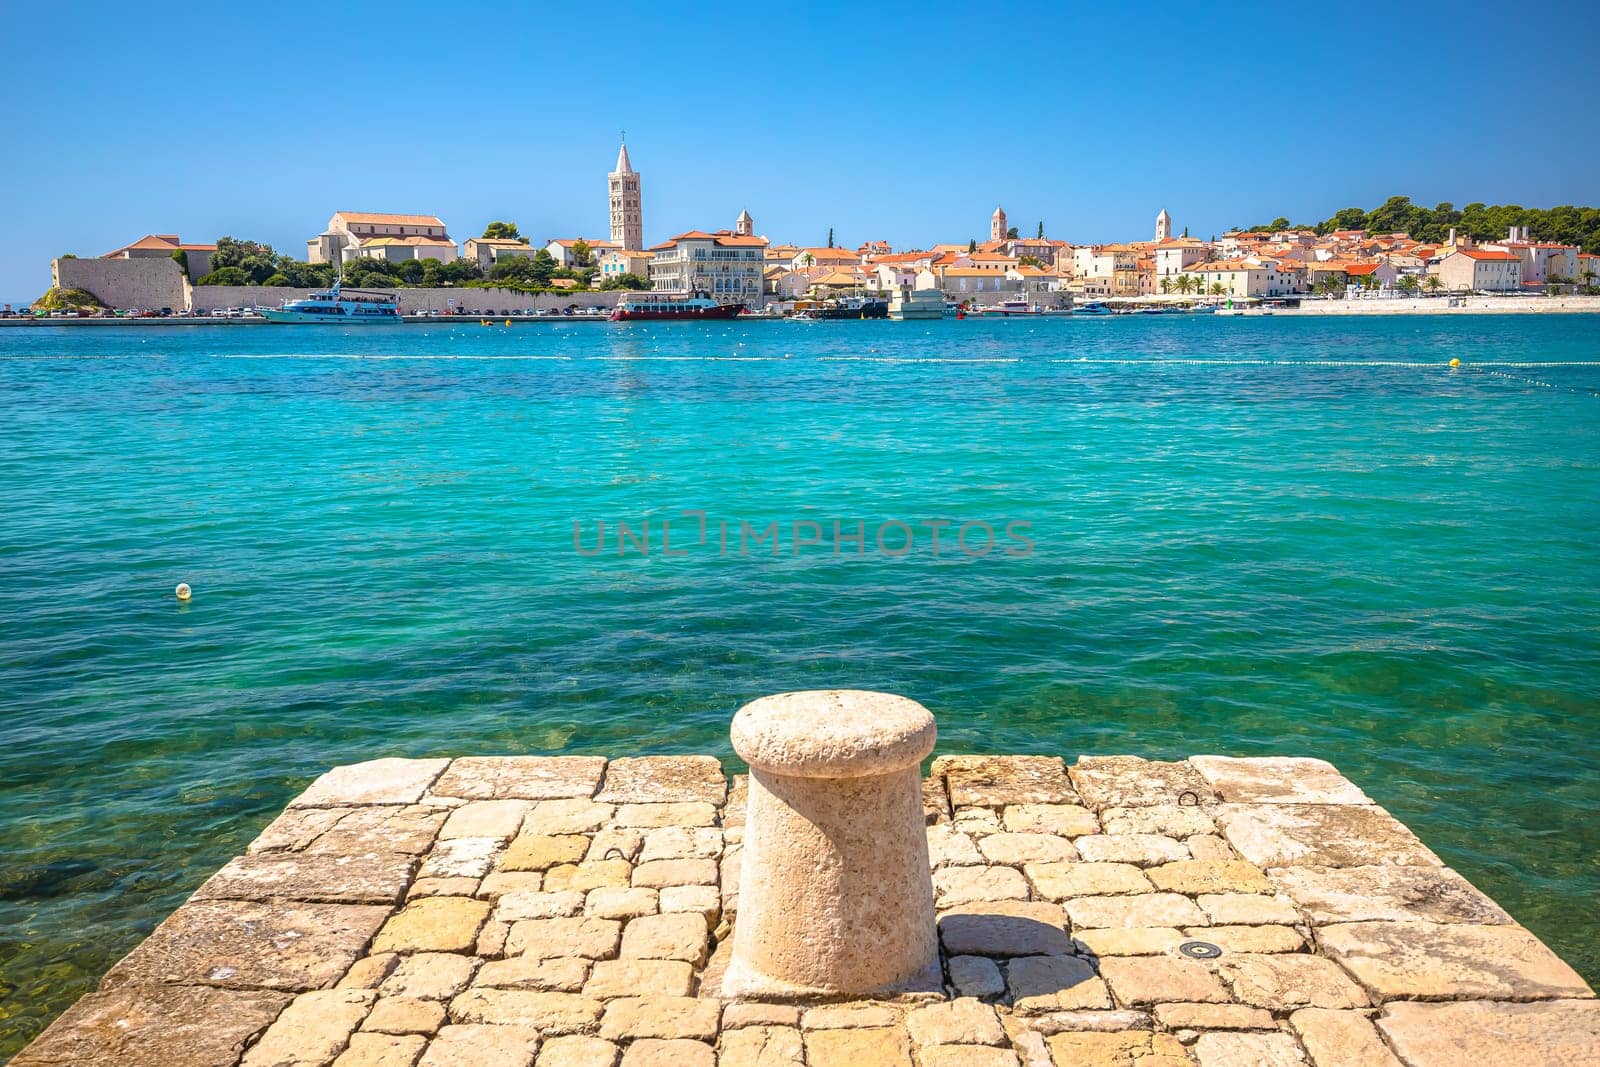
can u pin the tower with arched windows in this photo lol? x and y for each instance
(627, 218)
(997, 224)
(1163, 226)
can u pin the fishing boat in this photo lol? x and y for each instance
(337, 306)
(651, 307)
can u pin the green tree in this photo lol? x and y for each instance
(1166, 285)
(625, 281)
(972, 244)
(1040, 235)
(226, 276)
(583, 255)
(830, 236)
(1433, 284)
(1218, 289)
(505, 231)
(1011, 234)
(277, 279)
(1408, 284)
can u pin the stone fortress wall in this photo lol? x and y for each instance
(153, 283)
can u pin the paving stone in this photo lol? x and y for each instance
(1120, 1048)
(1005, 928)
(411, 829)
(461, 857)
(433, 975)
(1128, 941)
(574, 816)
(1247, 909)
(676, 813)
(653, 1052)
(1289, 981)
(975, 976)
(616, 843)
(312, 877)
(1213, 1017)
(958, 1022)
(382, 1050)
(498, 883)
(296, 829)
(1210, 847)
(1341, 1038)
(949, 847)
(852, 1015)
(761, 1046)
(1485, 1032)
(618, 902)
(630, 1018)
(976, 822)
(1130, 782)
(1050, 983)
(499, 819)
(640, 977)
(1387, 894)
(964, 885)
(523, 905)
(702, 900)
(434, 924)
(1065, 1022)
(578, 1051)
(1147, 909)
(379, 781)
(492, 939)
(1064, 820)
(586, 938)
(1249, 939)
(1141, 849)
(681, 842)
(1017, 849)
(1277, 780)
(994, 781)
(313, 1029)
(251, 945)
(966, 1056)
(590, 874)
(405, 1015)
(564, 975)
(658, 874)
(369, 971)
(935, 801)
(1320, 835)
(883, 1047)
(539, 852)
(758, 1013)
(664, 780)
(1441, 960)
(548, 1013)
(443, 887)
(481, 1046)
(1139, 980)
(1167, 820)
(1248, 1050)
(521, 777)
(680, 936)
(1058, 881)
(1209, 876)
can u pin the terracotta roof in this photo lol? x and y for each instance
(160, 242)
(568, 242)
(1228, 264)
(411, 240)
(378, 218)
(1484, 253)
(1359, 269)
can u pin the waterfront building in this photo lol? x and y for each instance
(1541, 260)
(1163, 226)
(627, 210)
(1246, 277)
(379, 235)
(487, 251)
(619, 261)
(564, 250)
(162, 246)
(997, 224)
(1588, 269)
(727, 266)
(1480, 268)
(806, 258)
(1175, 255)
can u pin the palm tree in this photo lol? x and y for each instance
(1408, 284)
(1433, 284)
(1218, 289)
(1166, 285)
(1588, 278)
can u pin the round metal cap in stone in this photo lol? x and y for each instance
(833, 733)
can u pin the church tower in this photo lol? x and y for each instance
(1163, 226)
(744, 226)
(997, 225)
(627, 219)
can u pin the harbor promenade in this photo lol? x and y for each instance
(566, 911)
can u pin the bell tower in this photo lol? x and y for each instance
(997, 224)
(627, 218)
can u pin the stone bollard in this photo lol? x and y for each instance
(835, 895)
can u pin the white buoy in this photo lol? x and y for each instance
(183, 591)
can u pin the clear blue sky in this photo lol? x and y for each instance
(899, 122)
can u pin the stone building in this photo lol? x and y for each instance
(378, 235)
(726, 266)
(627, 216)
(997, 224)
(162, 246)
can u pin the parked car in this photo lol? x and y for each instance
(219, 313)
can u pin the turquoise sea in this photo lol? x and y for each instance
(1248, 536)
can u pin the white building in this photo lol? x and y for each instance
(381, 236)
(1490, 269)
(487, 251)
(1245, 277)
(1163, 226)
(1541, 260)
(565, 250)
(617, 262)
(1175, 255)
(724, 265)
(627, 212)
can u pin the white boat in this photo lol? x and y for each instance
(337, 307)
(1009, 308)
(917, 304)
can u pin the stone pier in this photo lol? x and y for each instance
(578, 912)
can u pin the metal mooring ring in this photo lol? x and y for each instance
(1200, 950)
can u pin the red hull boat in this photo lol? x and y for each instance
(648, 307)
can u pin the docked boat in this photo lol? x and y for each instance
(917, 304)
(1009, 308)
(1093, 307)
(852, 307)
(651, 307)
(337, 306)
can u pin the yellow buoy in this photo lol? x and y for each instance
(508, 322)
(1455, 362)
(183, 591)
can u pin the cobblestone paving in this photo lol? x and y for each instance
(570, 912)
